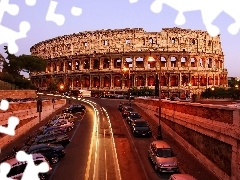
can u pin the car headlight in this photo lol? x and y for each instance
(175, 163)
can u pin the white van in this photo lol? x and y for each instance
(18, 167)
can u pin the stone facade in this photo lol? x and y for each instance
(211, 137)
(115, 60)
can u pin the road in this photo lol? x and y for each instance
(90, 155)
(94, 154)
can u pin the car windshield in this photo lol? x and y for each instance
(165, 152)
(141, 124)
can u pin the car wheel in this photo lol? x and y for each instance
(156, 167)
(54, 159)
(42, 176)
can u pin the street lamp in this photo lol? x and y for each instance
(159, 134)
(129, 79)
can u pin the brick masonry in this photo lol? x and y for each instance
(28, 116)
(17, 94)
(210, 132)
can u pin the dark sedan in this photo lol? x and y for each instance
(62, 139)
(53, 152)
(141, 128)
(75, 109)
(132, 116)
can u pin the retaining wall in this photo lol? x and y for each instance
(210, 132)
(28, 116)
(18, 94)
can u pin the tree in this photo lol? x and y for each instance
(25, 63)
(53, 85)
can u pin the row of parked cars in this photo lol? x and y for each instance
(47, 144)
(160, 153)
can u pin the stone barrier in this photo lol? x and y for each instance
(210, 132)
(28, 116)
(17, 94)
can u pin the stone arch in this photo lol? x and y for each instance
(96, 64)
(117, 63)
(77, 65)
(163, 80)
(140, 81)
(106, 63)
(117, 81)
(139, 62)
(86, 64)
(61, 64)
(174, 80)
(151, 80)
(106, 81)
(54, 66)
(96, 82)
(86, 81)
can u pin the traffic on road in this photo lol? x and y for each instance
(102, 139)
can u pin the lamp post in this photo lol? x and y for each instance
(129, 79)
(159, 134)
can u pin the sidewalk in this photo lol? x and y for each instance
(188, 163)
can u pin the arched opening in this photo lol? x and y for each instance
(77, 65)
(86, 64)
(106, 82)
(117, 81)
(96, 82)
(139, 62)
(106, 63)
(96, 64)
(117, 63)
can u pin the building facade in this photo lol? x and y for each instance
(116, 60)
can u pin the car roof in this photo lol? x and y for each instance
(182, 177)
(14, 160)
(161, 144)
(37, 146)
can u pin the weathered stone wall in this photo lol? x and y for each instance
(28, 116)
(128, 40)
(209, 132)
(17, 94)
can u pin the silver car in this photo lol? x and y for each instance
(162, 157)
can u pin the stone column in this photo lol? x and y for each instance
(180, 80)
(111, 62)
(72, 82)
(111, 81)
(123, 81)
(122, 62)
(178, 59)
(73, 64)
(207, 80)
(81, 64)
(101, 63)
(90, 81)
(213, 79)
(134, 63)
(146, 80)
(168, 59)
(64, 66)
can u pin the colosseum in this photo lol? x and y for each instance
(116, 60)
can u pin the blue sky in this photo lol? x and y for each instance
(114, 14)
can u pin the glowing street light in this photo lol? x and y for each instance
(61, 87)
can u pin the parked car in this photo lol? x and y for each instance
(18, 167)
(62, 139)
(121, 105)
(68, 116)
(75, 109)
(59, 124)
(141, 128)
(53, 152)
(162, 157)
(181, 177)
(125, 110)
(132, 116)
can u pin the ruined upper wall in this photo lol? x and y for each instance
(128, 40)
